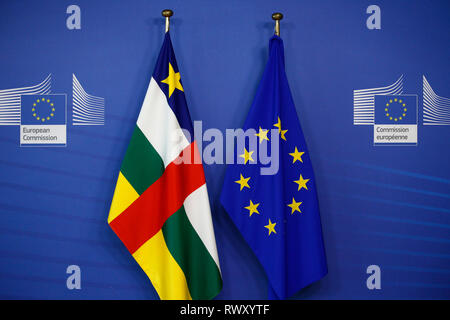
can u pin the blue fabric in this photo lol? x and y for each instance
(294, 256)
(177, 101)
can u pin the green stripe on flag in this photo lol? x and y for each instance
(202, 274)
(142, 165)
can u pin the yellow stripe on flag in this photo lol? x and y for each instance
(124, 196)
(165, 274)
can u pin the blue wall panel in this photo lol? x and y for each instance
(388, 206)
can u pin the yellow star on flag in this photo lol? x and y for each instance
(271, 227)
(243, 182)
(252, 208)
(301, 183)
(296, 155)
(173, 80)
(282, 132)
(262, 135)
(278, 124)
(295, 206)
(247, 156)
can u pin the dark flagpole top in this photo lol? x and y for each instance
(167, 13)
(277, 16)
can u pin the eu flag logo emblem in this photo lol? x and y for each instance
(43, 109)
(395, 109)
(43, 120)
(395, 119)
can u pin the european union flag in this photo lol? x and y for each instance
(396, 109)
(277, 214)
(43, 109)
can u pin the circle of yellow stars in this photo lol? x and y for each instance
(402, 105)
(42, 101)
(243, 182)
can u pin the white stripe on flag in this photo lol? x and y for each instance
(199, 214)
(160, 125)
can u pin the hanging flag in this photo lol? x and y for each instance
(160, 209)
(277, 214)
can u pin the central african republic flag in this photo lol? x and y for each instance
(160, 209)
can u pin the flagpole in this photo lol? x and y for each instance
(167, 13)
(277, 16)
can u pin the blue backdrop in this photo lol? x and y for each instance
(380, 205)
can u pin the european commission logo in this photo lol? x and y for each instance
(395, 119)
(43, 120)
(42, 116)
(394, 114)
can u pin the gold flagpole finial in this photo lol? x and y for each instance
(167, 13)
(277, 16)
